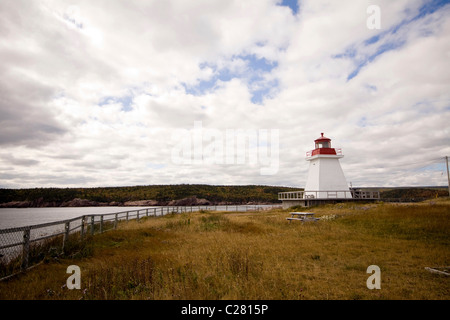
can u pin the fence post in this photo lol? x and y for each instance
(101, 224)
(154, 212)
(146, 213)
(127, 215)
(137, 215)
(25, 248)
(82, 227)
(115, 220)
(66, 234)
(92, 225)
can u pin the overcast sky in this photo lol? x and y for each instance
(116, 93)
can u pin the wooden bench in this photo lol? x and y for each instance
(302, 216)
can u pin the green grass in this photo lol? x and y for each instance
(257, 255)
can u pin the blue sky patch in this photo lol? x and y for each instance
(381, 49)
(253, 74)
(259, 63)
(373, 39)
(362, 122)
(292, 4)
(348, 53)
(265, 91)
(432, 167)
(428, 8)
(155, 166)
(125, 101)
(371, 88)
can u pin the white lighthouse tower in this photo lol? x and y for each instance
(325, 177)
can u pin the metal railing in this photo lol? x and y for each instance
(328, 194)
(309, 153)
(23, 247)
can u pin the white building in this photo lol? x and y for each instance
(326, 181)
(325, 177)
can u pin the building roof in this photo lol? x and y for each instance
(322, 138)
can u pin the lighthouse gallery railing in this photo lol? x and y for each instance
(330, 194)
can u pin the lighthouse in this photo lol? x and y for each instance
(325, 176)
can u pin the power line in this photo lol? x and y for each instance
(435, 160)
(407, 172)
(427, 162)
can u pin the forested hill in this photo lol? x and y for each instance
(162, 194)
(180, 194)
(414, 193)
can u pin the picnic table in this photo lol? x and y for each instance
(302, 216)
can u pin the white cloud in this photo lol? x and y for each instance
(91, 92)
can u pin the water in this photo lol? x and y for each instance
(20, 217)
(12, 240)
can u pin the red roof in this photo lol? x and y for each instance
(322, 138)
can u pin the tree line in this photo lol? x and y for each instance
(232, 194)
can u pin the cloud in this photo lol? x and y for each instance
(91, 93)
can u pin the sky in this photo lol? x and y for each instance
(119, 93)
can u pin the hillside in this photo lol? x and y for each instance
(180, 194)
(413, 193)
(160, 194)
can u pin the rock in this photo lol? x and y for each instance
(203, 202)
(77, 202)
(190, 201)
(16, 204)
(140, 203)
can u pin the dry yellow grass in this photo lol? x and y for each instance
(259, 255)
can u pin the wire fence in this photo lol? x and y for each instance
(24, 247)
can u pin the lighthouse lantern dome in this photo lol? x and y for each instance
(322, 146)
(323, 142)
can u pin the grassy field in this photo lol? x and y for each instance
(257, 255)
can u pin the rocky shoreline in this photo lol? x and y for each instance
(77, 202)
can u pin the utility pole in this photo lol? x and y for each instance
(448, 175)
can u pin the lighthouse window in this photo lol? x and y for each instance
(324, 144)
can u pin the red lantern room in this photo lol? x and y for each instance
(323, 146)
